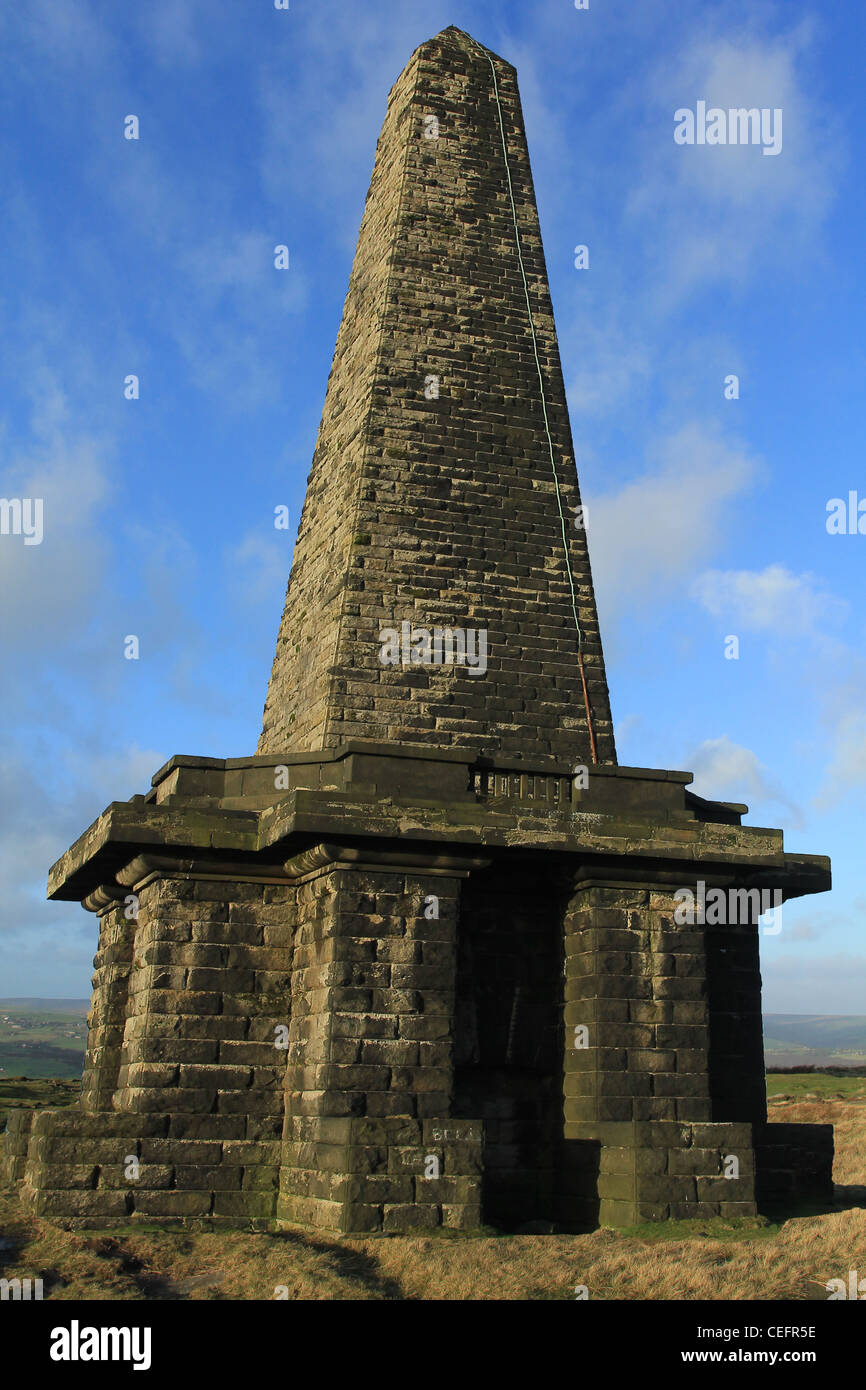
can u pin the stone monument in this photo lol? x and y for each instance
(421, 960)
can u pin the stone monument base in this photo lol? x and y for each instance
(384, 989)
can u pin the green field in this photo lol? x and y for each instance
(799, 1085)
(42, 1042)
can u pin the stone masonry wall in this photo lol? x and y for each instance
(107, 1015)
(638, 1142)
(795, 1163)
(209, 984)
(637, 983)
(441, 511)
(370, 1073)
(372, 995)
(194, 1093)
(623, 1174)
(737, 1078)
(110, 1169)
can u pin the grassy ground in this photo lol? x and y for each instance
(35, 1093)
(800, 1085)
(790, 1259)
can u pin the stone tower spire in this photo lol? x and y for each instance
(443, 488)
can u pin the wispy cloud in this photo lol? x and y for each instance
(725, 770)
(846, 768)
(259, 567)
(720, 214)
(44, 806)
(54, 583)
(770, 600)
(655, 530)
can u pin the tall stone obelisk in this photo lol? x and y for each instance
(443, 490)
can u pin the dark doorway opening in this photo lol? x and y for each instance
(738, 1087)
(508, 1038)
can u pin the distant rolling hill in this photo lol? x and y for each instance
(816, 1040)
(54, 1006)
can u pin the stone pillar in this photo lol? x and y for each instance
(637, 984)
(200, 970)
(209, 985)
(107, 1016)
(370, 1073)
(640, 1144)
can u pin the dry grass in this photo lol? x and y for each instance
(684, 1261)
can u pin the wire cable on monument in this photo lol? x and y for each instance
(568, 569)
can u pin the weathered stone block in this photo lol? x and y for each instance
(172, 1204)
(410, 1217)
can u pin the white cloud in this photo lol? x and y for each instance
(241, 264)
(169, 28)
(798, 607)
(49, 586)
(67, 33)
(846, 770)
(342, 89)
(259, 567)
(769, 600)
(726, 771)
(613, 365)
(645, 538)
(45, 804)
(721, 213)
(106, 777)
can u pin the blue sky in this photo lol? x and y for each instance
(707, 516)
